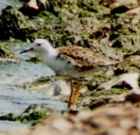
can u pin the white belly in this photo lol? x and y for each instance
(59, 66)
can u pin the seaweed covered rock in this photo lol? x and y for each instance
(72, 21)
(122, 6)
(32, 7)
(87, 23)
(90, 23)
(14, 24)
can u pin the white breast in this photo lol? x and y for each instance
(59, 65)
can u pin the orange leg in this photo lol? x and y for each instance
(75, 93)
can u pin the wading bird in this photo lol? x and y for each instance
(68, 60)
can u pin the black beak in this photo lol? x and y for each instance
(27, 50)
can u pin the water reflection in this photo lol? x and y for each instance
(5, 3)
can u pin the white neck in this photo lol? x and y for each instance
(51, 52)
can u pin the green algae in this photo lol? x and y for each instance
(113, 91)
(87, 23)
(31, 115)
(14, 24)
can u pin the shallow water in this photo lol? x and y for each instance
(9, 126)
(5, 3)
(22, 72)
(14, 100)
(15, 97)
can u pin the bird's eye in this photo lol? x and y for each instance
(38, 44)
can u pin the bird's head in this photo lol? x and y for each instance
(41, 47)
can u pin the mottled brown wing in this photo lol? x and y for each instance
(80, 57)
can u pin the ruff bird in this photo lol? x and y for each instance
(68, 60)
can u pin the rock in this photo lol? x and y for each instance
(15, 131)
(127, 80)
(134, 11)
(14, 24)
(113, 119)
(120, 6)
(58, 89)
(133, 97)
(33, 7)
